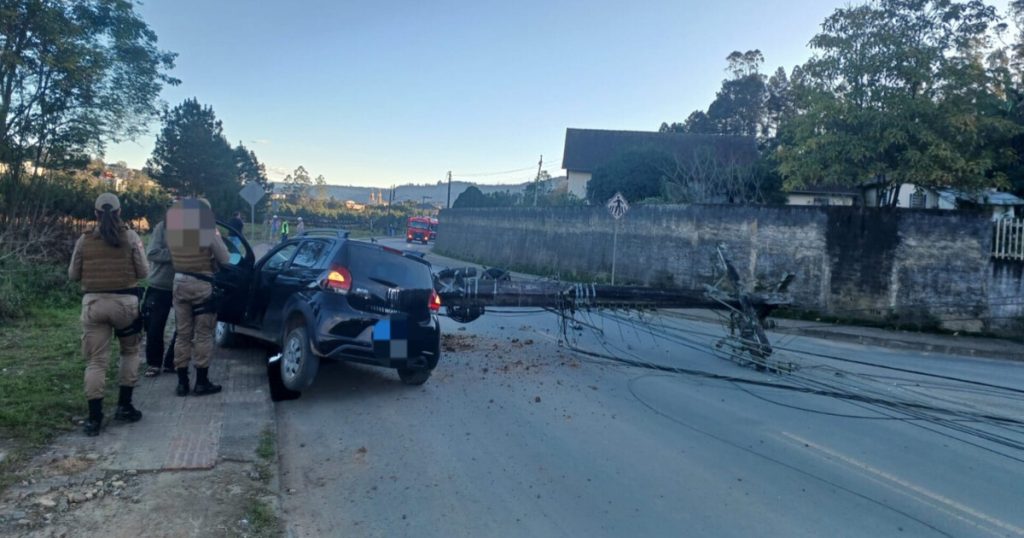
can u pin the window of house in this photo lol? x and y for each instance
(917, 200)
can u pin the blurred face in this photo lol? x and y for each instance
(190, 225)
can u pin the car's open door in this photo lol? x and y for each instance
(234, 278)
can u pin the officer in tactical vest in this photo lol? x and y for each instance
(197, 251)
(109, 261)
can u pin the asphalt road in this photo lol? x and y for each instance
(517, 435)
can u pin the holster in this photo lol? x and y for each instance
(212, 305)
(139, 324)
(131, 330)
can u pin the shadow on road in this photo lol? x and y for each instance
(341, 381)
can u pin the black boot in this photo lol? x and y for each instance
(182, 382)
(95, 420)
(125, 410)
(203, 385)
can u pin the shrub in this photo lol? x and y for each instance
(26, 287)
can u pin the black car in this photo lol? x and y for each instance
(323, 295)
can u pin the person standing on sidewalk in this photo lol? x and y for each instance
(158, 302)
(109, 262)
(300, 228)
(197, 251)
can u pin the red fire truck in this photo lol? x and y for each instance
(420, 229)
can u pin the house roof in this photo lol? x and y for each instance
(989, 197)
(587, 150)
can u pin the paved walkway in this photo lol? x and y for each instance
(191, 432)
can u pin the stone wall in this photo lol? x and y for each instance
(911, 266)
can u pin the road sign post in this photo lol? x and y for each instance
(618, 207)
(252, 192)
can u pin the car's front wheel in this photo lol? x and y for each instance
(224, 335)
(298, 363)
(414, 376)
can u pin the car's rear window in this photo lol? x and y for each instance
(387, 268)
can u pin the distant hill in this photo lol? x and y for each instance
(434, 193)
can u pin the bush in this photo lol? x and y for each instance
(42, 216)
(26, 287)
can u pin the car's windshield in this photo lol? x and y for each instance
(420, 225)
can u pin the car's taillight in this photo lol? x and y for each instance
(435, 301)
(338, 279)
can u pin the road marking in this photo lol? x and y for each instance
(937, 499)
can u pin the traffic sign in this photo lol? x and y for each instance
(618, 206)
(252, 192)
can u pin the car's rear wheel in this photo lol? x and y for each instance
(414, 376)
(298, 363)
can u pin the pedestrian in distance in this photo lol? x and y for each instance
(197, 251)
(236, 222)
(157, 306)
(109, 262)
(275, 227)
(284, 230)
(300, 228)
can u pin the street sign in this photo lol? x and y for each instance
(252, 192)
(618, 206)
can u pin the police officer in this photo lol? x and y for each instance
(109, 261)
(195, 262)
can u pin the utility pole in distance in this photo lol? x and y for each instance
(536, 182)
(449, 204)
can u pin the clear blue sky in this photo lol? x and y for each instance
(376, 93)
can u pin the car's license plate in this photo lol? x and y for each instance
(391, 337)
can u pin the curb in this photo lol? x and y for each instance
(892, 343)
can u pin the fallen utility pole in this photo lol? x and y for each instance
(467, 293)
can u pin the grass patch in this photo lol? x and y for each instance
(266, 449)
(41, 371)
(25, 287)
(263, 521)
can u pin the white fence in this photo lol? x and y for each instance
(1008, 239)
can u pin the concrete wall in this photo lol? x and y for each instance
(875, 264)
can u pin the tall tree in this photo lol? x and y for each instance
(472, 197)
(192, 157)
(73, 76)
(898, 91)
(739, 107)
(637, 174)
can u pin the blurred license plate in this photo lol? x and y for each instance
(391, 337)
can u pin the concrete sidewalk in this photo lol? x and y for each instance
(191, 432)
(948, 344)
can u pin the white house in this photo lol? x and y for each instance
(827, 195)
(1001, 204)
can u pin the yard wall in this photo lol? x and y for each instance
(913, 267)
